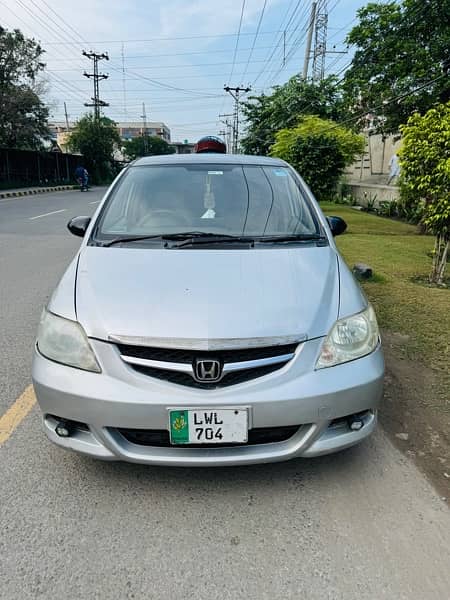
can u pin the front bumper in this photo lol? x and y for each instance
(120, 397)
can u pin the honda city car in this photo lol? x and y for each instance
(208, 319)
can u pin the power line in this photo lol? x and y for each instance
(40, 20)
(254, 40)
(67, 30)
(178, 66)
(164, 55)
(49, 28)
(346, 26)
(302, 18)
(274, 73)
(162, 39)
(237, 40)
(268, 60)
(373, 109)
(68, 26)
(235, 51)
(58, 25)
(72, 90)
(137, 77)
(19, 18)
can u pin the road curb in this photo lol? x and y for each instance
(30, 192)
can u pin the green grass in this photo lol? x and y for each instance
(398, 254)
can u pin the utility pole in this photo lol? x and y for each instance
(309, 39)
(320, 41)
(67, 137)
(144, 128)
(229, 129)
(96, 76)
(67, 117)
(234, 93)
(124, 88)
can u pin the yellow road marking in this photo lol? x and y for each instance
(16, 413)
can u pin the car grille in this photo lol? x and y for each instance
(229, 379)
(188, 356)
(161, 438)
(177, 365)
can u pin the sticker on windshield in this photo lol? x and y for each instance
(215, 172)
(209, 214)
(280, 172)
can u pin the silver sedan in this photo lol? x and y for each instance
(208, 319)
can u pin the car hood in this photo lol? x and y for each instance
(207, 294)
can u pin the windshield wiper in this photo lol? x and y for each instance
(124, 238)
(213, 238)
(293, 237)
(182, 235)
(190, 238)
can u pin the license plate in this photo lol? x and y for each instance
(206, 426)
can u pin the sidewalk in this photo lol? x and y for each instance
(14, 193)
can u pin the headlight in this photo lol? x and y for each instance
(64, 341)
(350, 338)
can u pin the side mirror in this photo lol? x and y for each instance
(78, 225)
(337, 225)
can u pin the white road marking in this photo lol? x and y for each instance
(95, 202)
(54, 212)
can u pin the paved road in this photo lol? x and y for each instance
(360, 525)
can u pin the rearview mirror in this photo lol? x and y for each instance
(78, 225)
(337, 225)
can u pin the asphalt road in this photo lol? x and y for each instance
(363, 524)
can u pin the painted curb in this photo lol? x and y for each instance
(30, 192)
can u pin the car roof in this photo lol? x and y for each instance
(207, 158)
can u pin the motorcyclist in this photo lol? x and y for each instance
(82, 176)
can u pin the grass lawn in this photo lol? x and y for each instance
(415, 323)
(398, 254)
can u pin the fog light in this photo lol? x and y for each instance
(63, 429)
(355, 423)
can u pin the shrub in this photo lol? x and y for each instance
(320, 150)
(425, 178)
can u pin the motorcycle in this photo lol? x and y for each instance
(83, 183)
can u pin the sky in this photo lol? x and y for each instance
(173, 55)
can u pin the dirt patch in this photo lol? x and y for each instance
(414, 413)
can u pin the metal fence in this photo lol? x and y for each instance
(20, 168)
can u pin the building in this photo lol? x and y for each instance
(183, 147)
(59, 134)
(127, 131)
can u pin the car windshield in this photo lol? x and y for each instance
(217, 199)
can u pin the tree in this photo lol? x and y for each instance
(320, 150)
(401, 52)
(267, 114)
(96, 139)
(23, 115)
(425, 177)
(147, 145)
